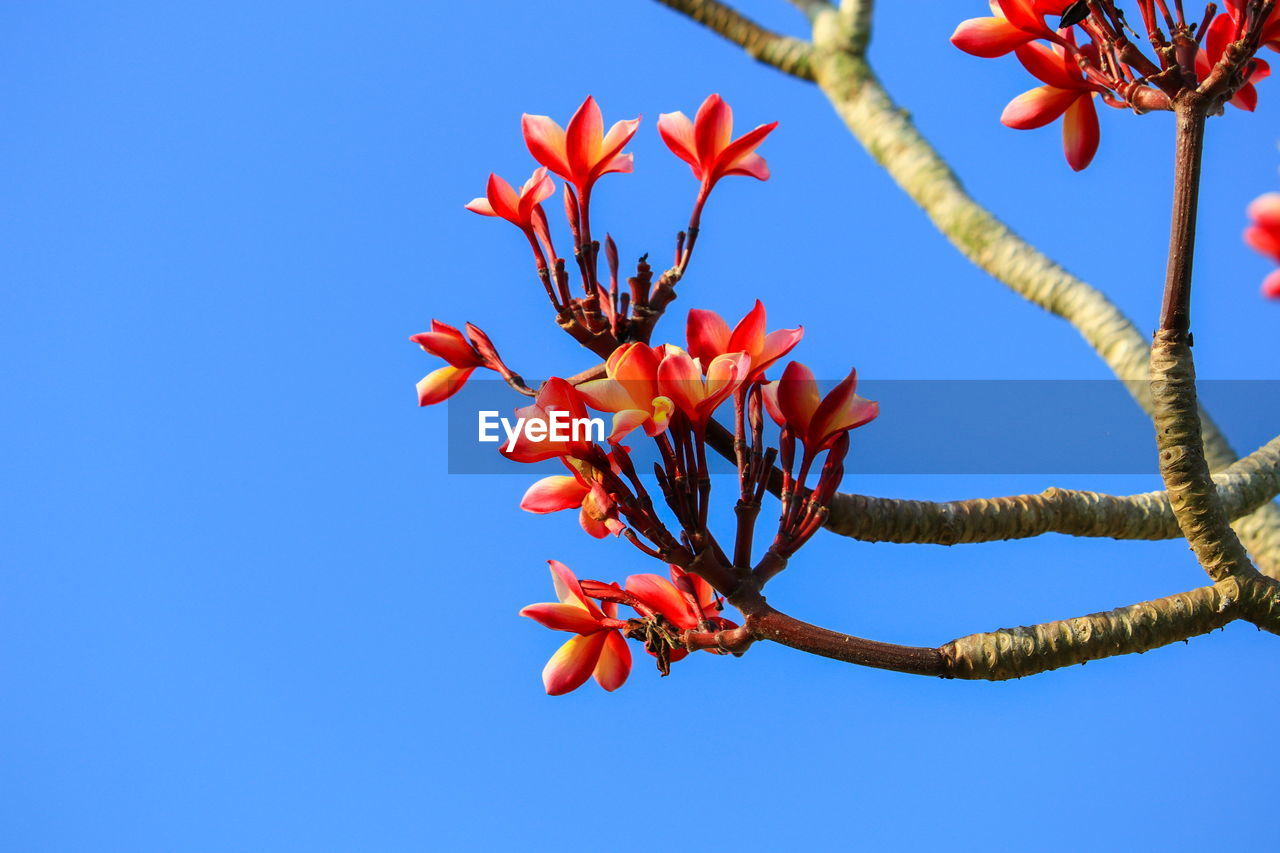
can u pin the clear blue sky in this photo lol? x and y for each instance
(243, 607)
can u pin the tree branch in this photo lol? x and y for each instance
(788, 55)
(1244, 486)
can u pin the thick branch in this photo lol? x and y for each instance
(787, 54)
(1018, 652)
(1243, 487)
(889, 136)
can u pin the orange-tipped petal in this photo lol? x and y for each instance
(776, 345)
(607, 395)
(552, 494)
(988, 37)
(1038, 107)
(1080, 133)
(625, 422)
(562, 617)
(707, 333)
(440, 385)
(610, 158)
(480, 206)
(573, 663)
(567, 588)
(724, 374)
(677, 132)
(615, 662)
(536, 190)
(840, 410)
(546, 143)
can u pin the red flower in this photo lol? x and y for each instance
(599, 648)
(1067, 93)
(680, 378)
(554, 413)
(630, 391)
(517, 208)
(817, 421)
(1220, 34)
(598, 514)
(583, 152)
(709, 336)
(1264, 235)
(1017, 22)
(708, 146)
(450, 344)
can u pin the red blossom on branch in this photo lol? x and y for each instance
(598, 649)
(708, 336)
(444, 341)
(583, 491)
(1263, 234)
(795, 402)
(1066, 94)
(1015, 23)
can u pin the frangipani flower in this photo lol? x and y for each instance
(516, 207)
(630, 391)
(1264, 236)
(1016, 22)
(681, 378)
(794, 402)
(582, 490)
(1066, 93)
(708, 146)
(598, 649)
(450, 344)
(583, 152)
(555, 395)
(709, 336)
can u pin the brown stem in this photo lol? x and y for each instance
(1175, 314)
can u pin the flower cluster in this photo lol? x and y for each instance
(1263, 234)
(663, 393)
(1086, 53)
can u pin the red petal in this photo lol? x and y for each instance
(573, 663)
(583, 137)
(480, 206)
(1080, 133)
(1265, 211)
(562, 617)
(776, 345)
(742, 147)
(1050, 66)
(615, 662)
(658, 594)
(748, 335)
(1037, 107)
(750, 165)
(677, 131)
(988, 37)
(707, 333)
(1263, 240)
(1271, 285)
(797, 396)
(552, 494)
(440, 385)
(712, 128)
(546, 143)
